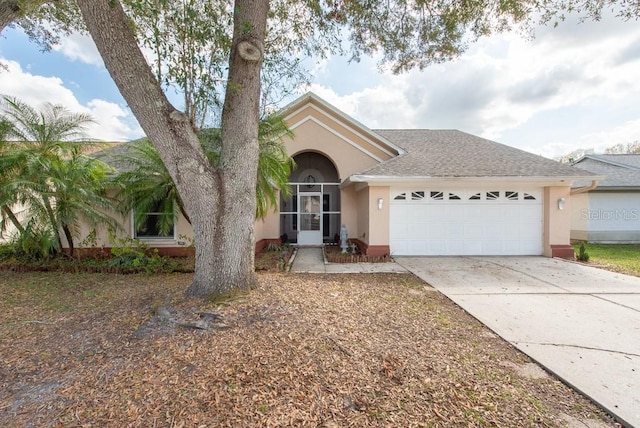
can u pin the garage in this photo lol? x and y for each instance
(451, 222)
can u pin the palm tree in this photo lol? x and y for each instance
(274, 164)
(8, 169)
(145, 184)
(78, 192)
(59, 186)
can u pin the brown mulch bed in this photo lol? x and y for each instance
(333, 254)
(300, 350)
(274, 260)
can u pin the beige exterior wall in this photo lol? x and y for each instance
(336, 129)
(347, 159)
(349, 210)
(183, 235)
(269, 227)
(579, 223)
(378, 219)
(557, 223)
(362, 232)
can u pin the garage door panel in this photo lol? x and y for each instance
(454, 248)
(511, 230)
(530, 246)
(399, 231)
(436, 231)
(494, 247)
(497, 226)
(530, 233)
(437, 246)
(491, 214)
(436, 212)
(454, 231)
(472, 247)
(473, 231)
(492, 232)
(454, 213)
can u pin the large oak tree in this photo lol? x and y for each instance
(221, 201)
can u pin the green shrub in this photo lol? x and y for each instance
(35, 244)
(582, 256)
(135, 258)
(7, 251)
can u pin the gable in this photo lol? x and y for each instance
(321, 128)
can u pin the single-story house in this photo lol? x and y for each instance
(610, 213)
(410, 191)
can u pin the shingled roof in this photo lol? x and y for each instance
(621, 171)
(452, 153)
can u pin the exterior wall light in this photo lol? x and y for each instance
(380, 202)
(311, 180)
(561, 202)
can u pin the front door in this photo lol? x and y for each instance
(310, 217)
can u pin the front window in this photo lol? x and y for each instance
(155, 225)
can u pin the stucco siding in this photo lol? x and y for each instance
(363, 216)
(557, 222)
(347, 133)
(348, 159)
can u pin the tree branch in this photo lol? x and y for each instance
(9, 12)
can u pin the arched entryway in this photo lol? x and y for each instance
(311, 215)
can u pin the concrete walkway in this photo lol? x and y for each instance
(311, 260)
(579, 322)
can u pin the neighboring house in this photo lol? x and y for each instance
(410, 192)
(610, 213)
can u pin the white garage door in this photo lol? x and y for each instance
(438, 222)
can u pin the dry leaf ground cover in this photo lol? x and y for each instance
(90, 350)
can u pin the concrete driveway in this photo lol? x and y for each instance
(579, 322)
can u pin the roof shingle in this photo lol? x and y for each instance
(453, 153)
(620, 170)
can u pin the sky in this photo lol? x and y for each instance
(575, 86)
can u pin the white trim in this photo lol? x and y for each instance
(310, 236)
(337, 134)
(349, 128)
(307, 99)
(379, 180)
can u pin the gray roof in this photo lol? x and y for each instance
(621, 171)
(453, 153)
(115, 155)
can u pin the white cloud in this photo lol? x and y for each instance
(625, 132)
(113, 122)
(79, 47)
(504, 84)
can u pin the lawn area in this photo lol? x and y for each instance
(623, 258)
(299, 350)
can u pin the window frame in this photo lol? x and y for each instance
(135, 235)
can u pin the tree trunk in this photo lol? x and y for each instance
(234, 238)
(69, 236)
(53, 223)
(9, 12)
(14, 220)
(220, 204)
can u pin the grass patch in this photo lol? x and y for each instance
(620, 257)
